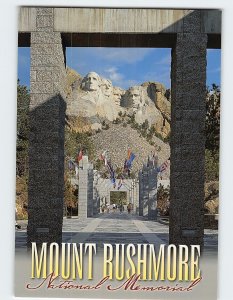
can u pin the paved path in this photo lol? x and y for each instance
(115, 228)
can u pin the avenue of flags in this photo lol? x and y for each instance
(107, 162)
(74, 164)
(105, 157)
(128, 162)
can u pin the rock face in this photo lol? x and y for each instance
(156, 91)
(212, 197)
(148, 103)
(96, 100)
(73, 80)
(117, 96)
(91, 99)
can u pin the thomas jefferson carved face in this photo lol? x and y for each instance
(107, 87)
(91, 82)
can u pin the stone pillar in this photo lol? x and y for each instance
(187, 133)
(98, 200)
(134, 193)
(143, 191)
(90, 201)
(85, 195)
(137, 196)
(46, 138)
(130, 193)
(152, 202)
(95, 195)
(140, 192)
(107, 193)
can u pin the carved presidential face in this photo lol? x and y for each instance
(107, 87)
(135, 96)
(117, 92)
(91, 82)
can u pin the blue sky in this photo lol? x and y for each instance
(125, 67)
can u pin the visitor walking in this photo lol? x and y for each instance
(129, 207)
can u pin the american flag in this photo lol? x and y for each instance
(164, 166)
(79, 156)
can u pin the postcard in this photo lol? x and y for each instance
(117, 165)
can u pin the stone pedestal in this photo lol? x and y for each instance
(137, 197)
(148, 190)
(85, 195)
(46, 138)
(143, 192)
(95, 202)
(187, 134)
(152, 203)
(95, 193)
(90, 202)
(140, 193)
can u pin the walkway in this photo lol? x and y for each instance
(116, 228)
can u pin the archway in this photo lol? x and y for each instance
(188, 33)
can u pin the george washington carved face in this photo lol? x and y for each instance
(91, 82)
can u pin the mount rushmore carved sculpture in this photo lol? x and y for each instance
(94, 99)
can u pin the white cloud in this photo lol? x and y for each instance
(119, 79)
(125, 66)
(113, 74)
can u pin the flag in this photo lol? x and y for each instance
(113, 179)
(120, 182)
(163, 167)
(70, 165)
(104, 157)
(79, 156)
(130, 160)
(128, 153)
(125, 165)
(101, 157)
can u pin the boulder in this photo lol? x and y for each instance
(211, 197)
(211, 189)
(211, 206)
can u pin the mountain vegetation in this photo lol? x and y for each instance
(92, 143)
